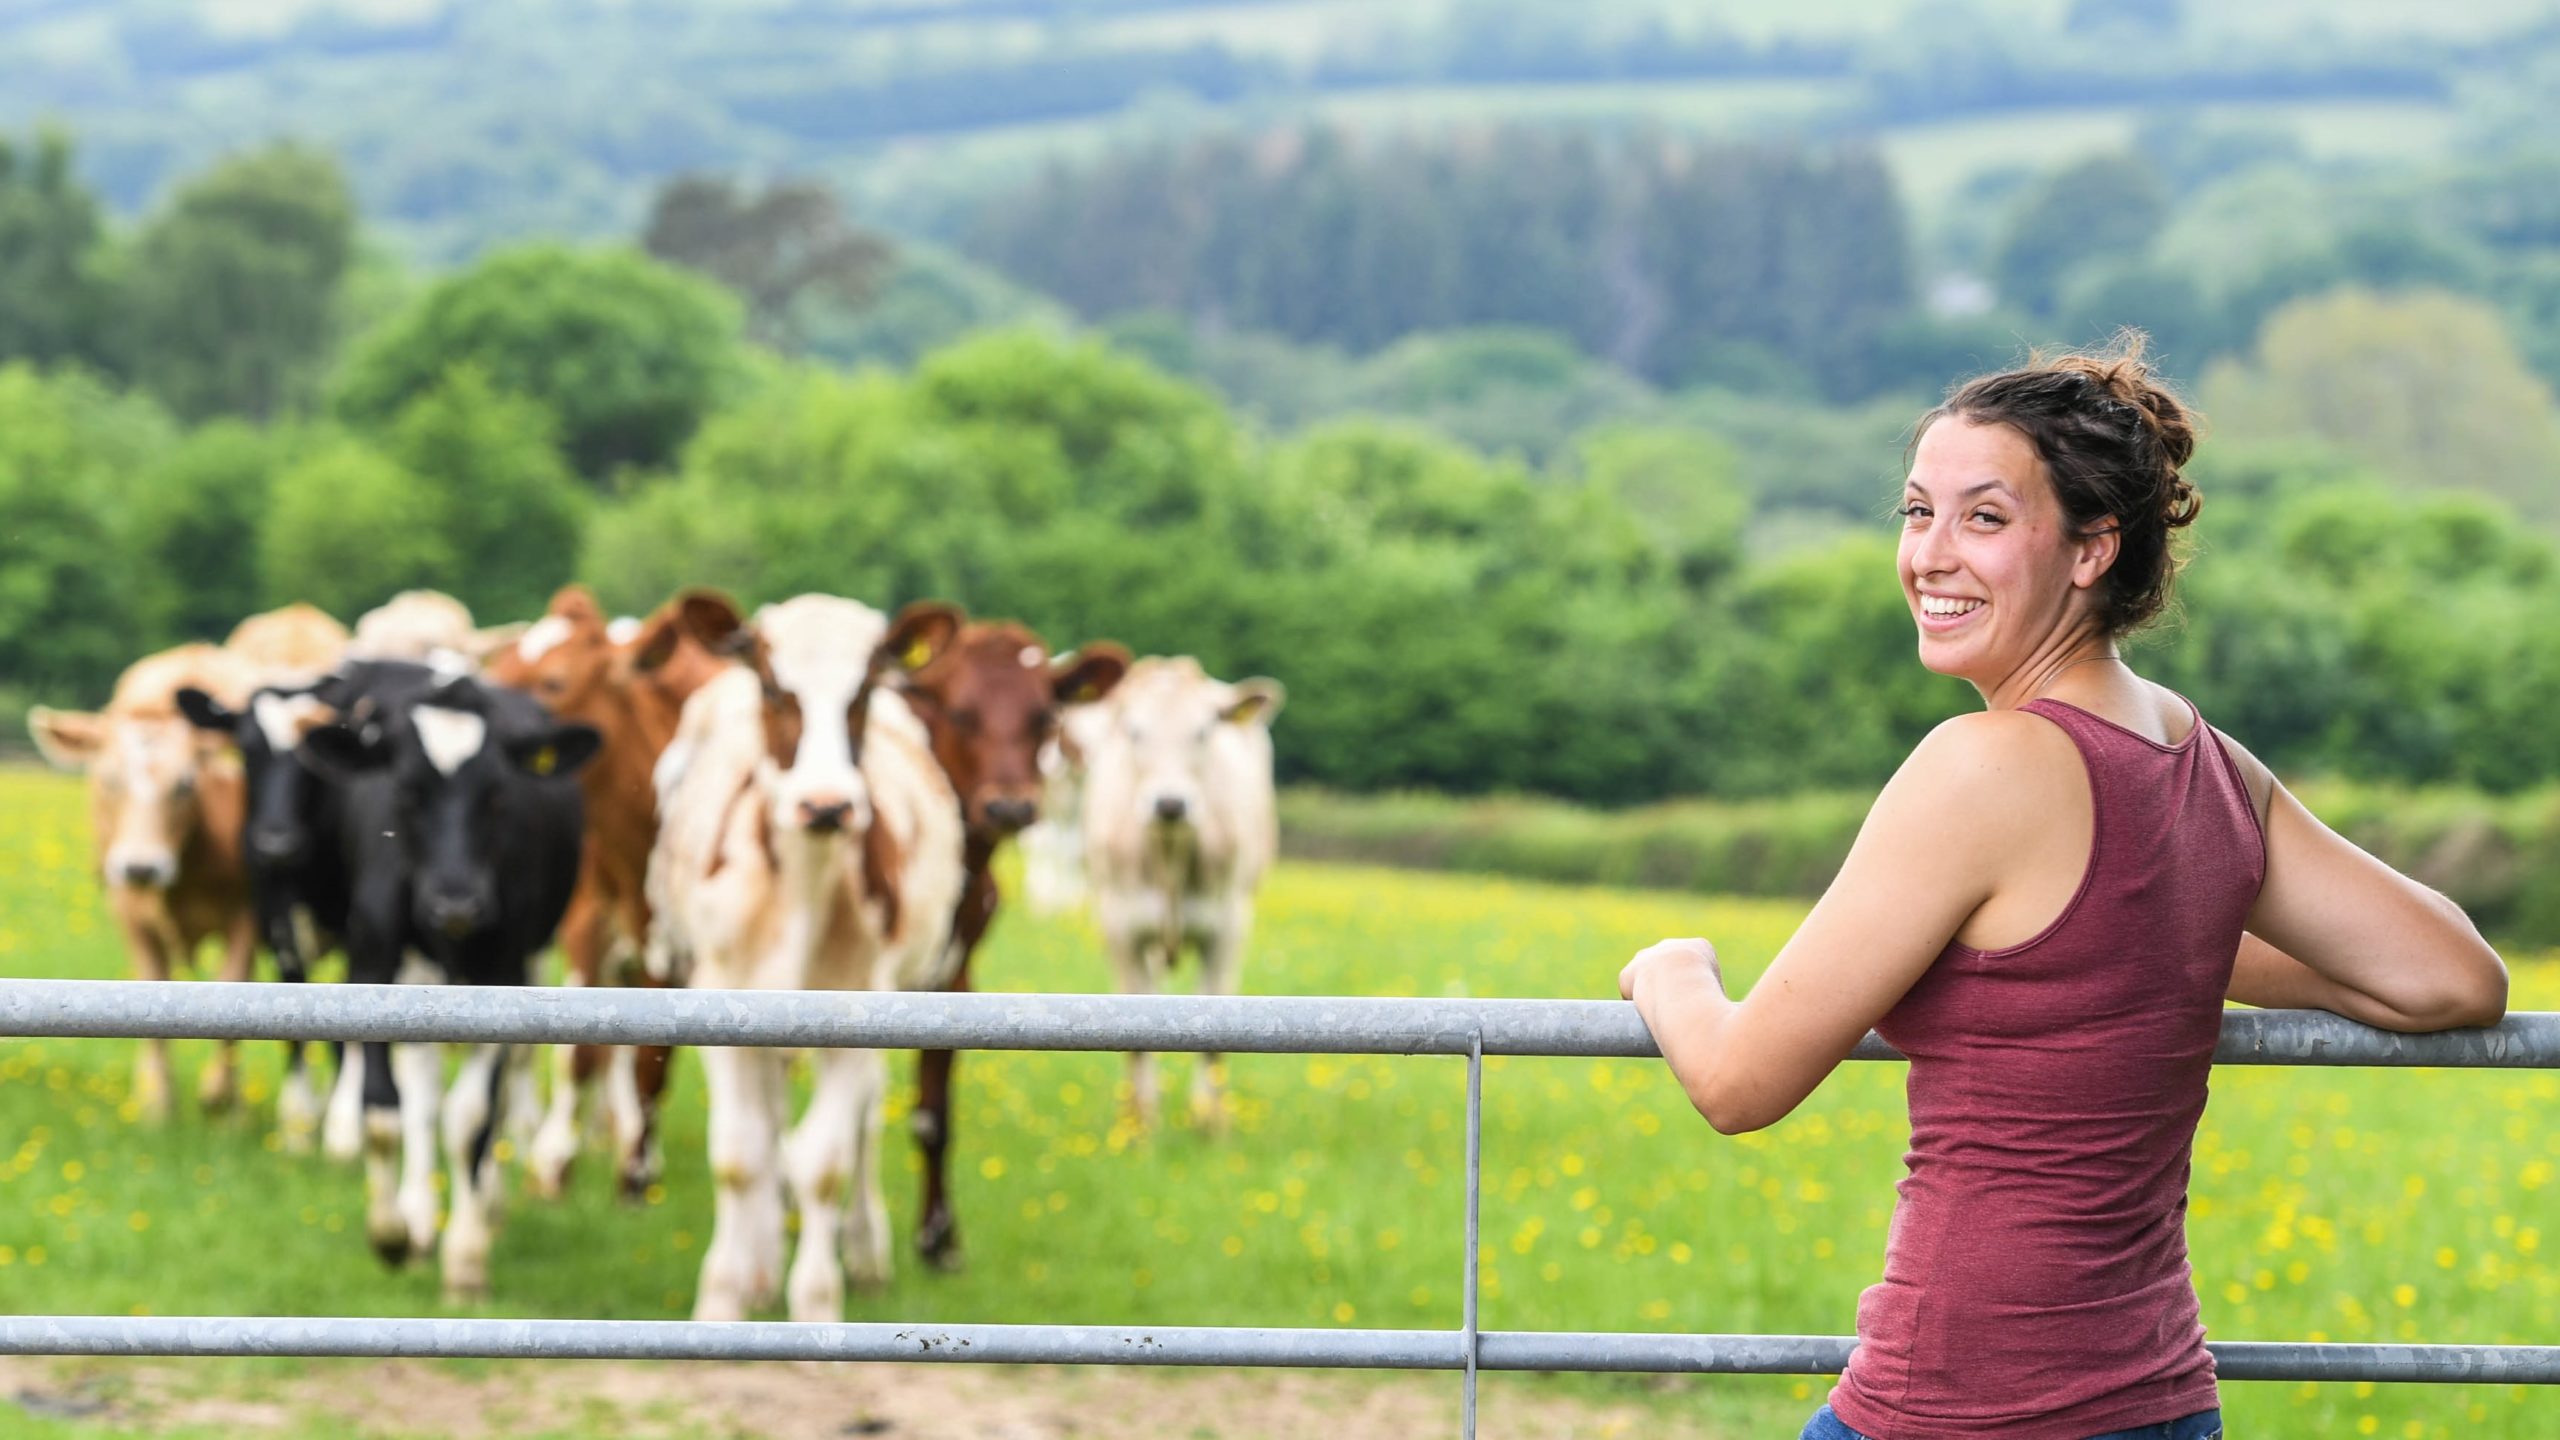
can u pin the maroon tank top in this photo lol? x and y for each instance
(2035, 1276)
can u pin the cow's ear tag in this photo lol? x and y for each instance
(917, 654)
(1085, 694)
(545, 760)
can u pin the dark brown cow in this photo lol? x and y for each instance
(582, 668)
(988, 704)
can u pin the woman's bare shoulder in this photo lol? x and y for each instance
(2004, 775)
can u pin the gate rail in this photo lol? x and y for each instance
(983, 1021)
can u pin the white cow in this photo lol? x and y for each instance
(428, 627)
(808, 841)
(1179, 824)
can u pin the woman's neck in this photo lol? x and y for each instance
(2074, 662)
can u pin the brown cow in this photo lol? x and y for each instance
(165, 804)
(581, 668)
(988, 703)
(293, 645)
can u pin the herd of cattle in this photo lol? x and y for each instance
(810, 797)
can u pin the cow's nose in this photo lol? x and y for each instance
(1169, 808)
(454, 915)
(825, 817)
(275, 844)
(1012, 814)
(150, 874)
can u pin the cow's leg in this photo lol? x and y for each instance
(634, 1084)
(1221, 971)
(937, 1228)
(342, 1129)
(421, 1079)
(297, 1107)
(1138, 974)
(573, 1068)
(217, 1085)
(380, 1091)
(742, 1265)
(817, 1160)
(147, 943)
(473, 1115)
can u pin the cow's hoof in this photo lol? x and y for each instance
(938, 1243)
(390, 1245)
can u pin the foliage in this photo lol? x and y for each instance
(627, 354)
(53, 303)
(2428, 388)
(1658, 253)
(781, 251)
(230, 292)
(68, 446)
(195, 531)
(347, 529)
(511, 510)
(2104, 208)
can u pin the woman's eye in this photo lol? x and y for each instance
(1912, 510)
(1988, 517)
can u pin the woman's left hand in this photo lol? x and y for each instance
(1671, 956)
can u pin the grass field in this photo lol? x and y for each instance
(2385, 1206)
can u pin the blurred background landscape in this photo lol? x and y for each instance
(1522, 383)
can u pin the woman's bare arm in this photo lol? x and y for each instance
(1978, 792)
(2336, 929)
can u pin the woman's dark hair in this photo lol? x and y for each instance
(2113, 437)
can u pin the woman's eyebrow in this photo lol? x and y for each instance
(1968, 492)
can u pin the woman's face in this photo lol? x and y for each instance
(1988, 564)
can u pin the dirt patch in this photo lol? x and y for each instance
(402, 1399)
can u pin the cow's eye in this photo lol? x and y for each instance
(965, 720)
(182, 786)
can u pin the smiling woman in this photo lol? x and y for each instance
(2045, 910)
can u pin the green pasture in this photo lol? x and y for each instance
(2345, 1205)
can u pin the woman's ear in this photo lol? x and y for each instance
(2095, 553)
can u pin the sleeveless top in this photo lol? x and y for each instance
(2035, 1277)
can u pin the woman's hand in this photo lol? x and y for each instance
(1670, 960)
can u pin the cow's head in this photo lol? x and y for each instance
(1170, 723)
(457, 757)
(144, 771)
(269, 736)
(990, 702)
(821, 660)
(566, 659)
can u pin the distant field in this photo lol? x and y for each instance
(2345, 1205)
(1934, 160)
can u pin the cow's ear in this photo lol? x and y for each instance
(1089, 674)
(921, 632)
(560, 750)
(1255, 701)
(343, 752)
(714, 622)
(206, 713)
(68, 739)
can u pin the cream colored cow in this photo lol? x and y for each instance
(426, 627)
(165, 808)
(291, 646)
(1179, 824)
(808, 841)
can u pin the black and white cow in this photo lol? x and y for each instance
(292, 840)
(462, 819)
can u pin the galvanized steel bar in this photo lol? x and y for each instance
(1249, 1024)
(1501, 1350)
(1475, 1202)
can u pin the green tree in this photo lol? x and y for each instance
(2427, 388)
(52, 302)
(781, 251)
(194, 534)
(230, 293)
(512, 511)
(347, 529)
(69, 618)
(2104, 207)
(627, 354)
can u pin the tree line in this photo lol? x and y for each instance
(1600, 624)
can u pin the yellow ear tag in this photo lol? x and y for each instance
(545, 760)
(1085, 693)
(916, 656)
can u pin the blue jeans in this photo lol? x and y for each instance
(2203, 1425)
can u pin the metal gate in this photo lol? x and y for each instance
(1238, 1025)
